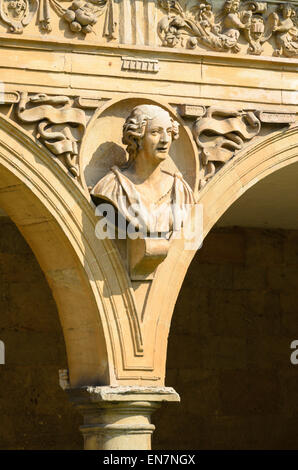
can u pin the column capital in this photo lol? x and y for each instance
(119, 417)
(128, 393)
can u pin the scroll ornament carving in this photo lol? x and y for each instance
(193, 25)
(60, 126)
(222, 132)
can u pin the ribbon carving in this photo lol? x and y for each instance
(60, 126)
(220, 133)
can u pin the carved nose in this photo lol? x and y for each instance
(165, 137)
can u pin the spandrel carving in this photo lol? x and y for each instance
(55, 118)
(222, 132)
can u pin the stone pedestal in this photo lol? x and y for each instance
(119, 418)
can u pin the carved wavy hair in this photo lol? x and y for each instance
(135, 127)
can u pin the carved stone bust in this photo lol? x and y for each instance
(151, 199)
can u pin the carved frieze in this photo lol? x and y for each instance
(286, 30)
(190, 24)
(81, 15)
(227, 26)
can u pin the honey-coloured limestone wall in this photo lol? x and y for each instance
(233, 324)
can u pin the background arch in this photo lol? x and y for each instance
(253, 163)
(58, 222)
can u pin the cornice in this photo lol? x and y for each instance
(165, 53)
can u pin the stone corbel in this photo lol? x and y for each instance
(144, 255)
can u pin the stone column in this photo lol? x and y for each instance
(119, 418)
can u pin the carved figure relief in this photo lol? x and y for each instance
(194, 25)
(199, 25)
(286, 30)
(56, 119)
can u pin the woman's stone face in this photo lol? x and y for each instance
(287, 11)
(158, 137)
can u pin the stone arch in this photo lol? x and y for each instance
(252, 164)
(85, 274)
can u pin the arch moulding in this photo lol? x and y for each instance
(113, 334)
